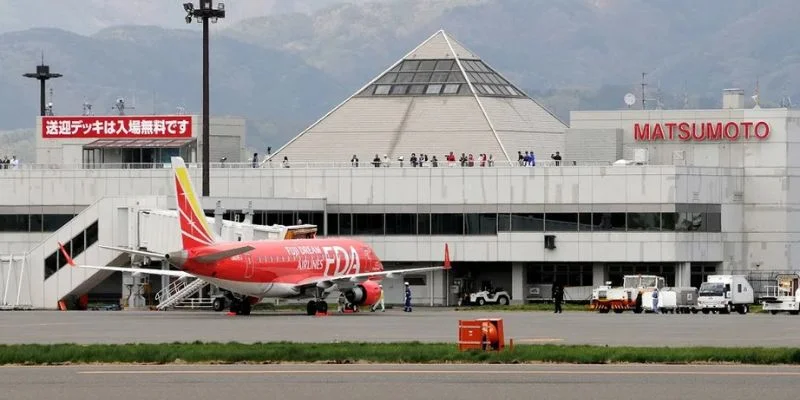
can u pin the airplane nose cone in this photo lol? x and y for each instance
(177, 258)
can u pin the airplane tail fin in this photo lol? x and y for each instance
(446, 257)
(195, 231)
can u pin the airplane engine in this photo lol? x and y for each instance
(365, 293)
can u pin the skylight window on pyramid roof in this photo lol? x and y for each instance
(440, 77)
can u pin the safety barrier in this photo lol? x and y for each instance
(484, 334)
(301, 165)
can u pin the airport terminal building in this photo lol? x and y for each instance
(698, 191)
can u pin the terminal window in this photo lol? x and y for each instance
(491, 223)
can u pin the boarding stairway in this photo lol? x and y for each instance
(48, 280)
(177, 293)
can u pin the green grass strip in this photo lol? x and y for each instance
(411, 352)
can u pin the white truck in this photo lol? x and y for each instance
(724, 294)
(784, 296)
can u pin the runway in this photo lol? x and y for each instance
(424, 325)
(404, 382)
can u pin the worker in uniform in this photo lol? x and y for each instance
(407, 300)
(380, 301)
(655, 301)
(558, 297)
(341, 303)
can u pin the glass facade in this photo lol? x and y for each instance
(77, 245)
(491, 223)
(33, 222)
(441, 78)
(568, 274)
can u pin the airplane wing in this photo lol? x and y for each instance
(327, 281)
(179, 274)
(150, 254)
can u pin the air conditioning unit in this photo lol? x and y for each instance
(640, 156)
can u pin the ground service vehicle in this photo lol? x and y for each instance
(725, 294)
(628, 297)
(681, 300)
(488, 295)
(785, 296)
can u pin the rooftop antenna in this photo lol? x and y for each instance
(685, 96)
(659, 97)
(629, 99)
(644, 102)
(756, 97)
(87, 107)
(786, 100)
(121, 107)
(49, 108)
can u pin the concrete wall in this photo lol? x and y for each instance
(766, 194)
(593, 145)
(608, 189)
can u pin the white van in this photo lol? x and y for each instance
(725, 294)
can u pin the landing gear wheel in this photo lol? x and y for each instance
(219, 304)
(321, 306)
(311, 307)
(236, 306)
(706, 311)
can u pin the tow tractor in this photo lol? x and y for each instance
(628, 297)
(785, 296)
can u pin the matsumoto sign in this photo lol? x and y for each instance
(701, 131)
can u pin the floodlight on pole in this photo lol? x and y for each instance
(42, 74)
(203, 14)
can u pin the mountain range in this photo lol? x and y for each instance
(284, 64)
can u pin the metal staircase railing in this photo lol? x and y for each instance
(178, 291)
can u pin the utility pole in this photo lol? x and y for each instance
(203, 14)
(644, 102)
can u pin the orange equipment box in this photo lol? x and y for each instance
(481, 334)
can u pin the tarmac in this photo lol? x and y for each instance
(399, 382)
(423, 324)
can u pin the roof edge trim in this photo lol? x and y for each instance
(475, 95)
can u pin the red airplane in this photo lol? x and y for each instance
(250, 271)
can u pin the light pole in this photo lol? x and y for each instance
(42, 74)
(203, 14)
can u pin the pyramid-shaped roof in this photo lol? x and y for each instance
(438, 98)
